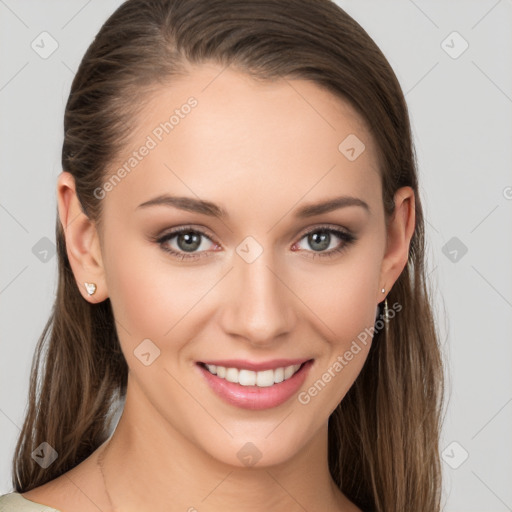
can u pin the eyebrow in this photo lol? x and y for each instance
(208, 208)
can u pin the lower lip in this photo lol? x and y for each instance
(255, 397)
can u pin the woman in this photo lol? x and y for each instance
(241, 260)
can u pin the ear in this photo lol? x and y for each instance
(82, 240)
(399, 233)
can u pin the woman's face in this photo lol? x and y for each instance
(246, 167)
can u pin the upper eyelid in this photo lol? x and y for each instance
(202, 231)
(320, 227)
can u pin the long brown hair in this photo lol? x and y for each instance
(383, 436)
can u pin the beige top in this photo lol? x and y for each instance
(15, 502)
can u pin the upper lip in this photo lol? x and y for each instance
(243, 364)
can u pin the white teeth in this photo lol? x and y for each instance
(288, 372)
(278, 375)
(247, 378)
(231, 374)
(262, 378)
(265, 378)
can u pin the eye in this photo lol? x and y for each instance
(186, 243)
(322, 238)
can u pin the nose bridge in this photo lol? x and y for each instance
(259, 304)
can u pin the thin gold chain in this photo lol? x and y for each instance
(99, 461)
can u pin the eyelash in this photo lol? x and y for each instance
(343, 235)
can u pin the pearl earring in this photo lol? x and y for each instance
(91, 288)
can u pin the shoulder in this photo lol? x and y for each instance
(77, 490)
(16, 502)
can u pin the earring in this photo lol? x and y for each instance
(91, 288)
(386, 319)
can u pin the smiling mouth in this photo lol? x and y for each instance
(262, 378)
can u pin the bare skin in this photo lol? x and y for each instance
(260, 151)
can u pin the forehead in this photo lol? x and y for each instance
(218, 133)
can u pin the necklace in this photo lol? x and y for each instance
(99, 461)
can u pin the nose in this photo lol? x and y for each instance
(258, 304)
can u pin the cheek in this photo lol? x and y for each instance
(342, 299)
(343, 296)
(152, 297)
(347, 328)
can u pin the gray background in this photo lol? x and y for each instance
(461, 112)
